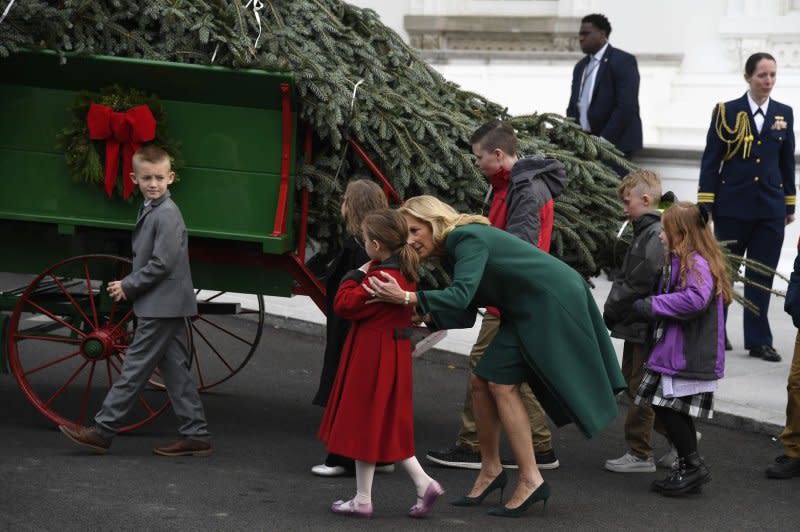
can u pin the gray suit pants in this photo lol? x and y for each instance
(158, 342)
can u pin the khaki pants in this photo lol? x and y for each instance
(468, 436)
(640, 421)
(790, 437)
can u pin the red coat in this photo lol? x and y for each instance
(370, 414)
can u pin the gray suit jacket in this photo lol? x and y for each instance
(160, 285)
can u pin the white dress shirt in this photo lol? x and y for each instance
(587, 86)
(758, 118)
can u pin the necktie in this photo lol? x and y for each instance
(585, 97)
(758, 118)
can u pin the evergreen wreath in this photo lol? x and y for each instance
(85, 157)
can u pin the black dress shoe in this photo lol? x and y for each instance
(765, 352)
(784, 467)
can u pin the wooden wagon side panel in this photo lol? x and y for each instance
(229, 125)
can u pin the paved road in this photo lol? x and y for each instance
(258, 478)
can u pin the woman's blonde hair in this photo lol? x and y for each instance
(688, 232)
(389, 227)
(361, 197)
(439, 215)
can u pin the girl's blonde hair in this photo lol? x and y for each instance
(360, 198)
(688, 232)
(439, 215)
(389, 227)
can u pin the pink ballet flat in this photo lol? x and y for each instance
(426, 502)
(352, 508)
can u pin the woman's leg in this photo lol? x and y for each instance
(487, 424)
(514, 418)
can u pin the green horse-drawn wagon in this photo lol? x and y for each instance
(65, 339)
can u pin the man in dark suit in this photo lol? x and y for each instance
(605, 89)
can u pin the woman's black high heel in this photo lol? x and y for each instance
(542, 493)
(499, 482)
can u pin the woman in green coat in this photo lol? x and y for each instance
(551, 335)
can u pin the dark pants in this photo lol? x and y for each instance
(762, 240)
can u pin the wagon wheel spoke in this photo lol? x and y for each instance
(55, 318)
(66, 383)
(53, 362)
(225, 336)
(223, 329)
(49, 338)
(71, 299)
(90, 293)
(85, 399)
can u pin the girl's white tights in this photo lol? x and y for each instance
(365, 472)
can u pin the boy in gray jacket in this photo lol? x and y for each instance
(160, 287)
(640, 193)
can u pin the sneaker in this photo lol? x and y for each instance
(324, 470)
(628, 463)
(458, 456)
(784, 467)
(386, 468)
(547, 460)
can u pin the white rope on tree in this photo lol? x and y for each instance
(8, 8)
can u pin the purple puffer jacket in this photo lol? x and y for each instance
(692, 345)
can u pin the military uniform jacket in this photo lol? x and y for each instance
(759, 186)
(160, 284)
(560, 332)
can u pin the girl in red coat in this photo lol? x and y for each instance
(369, 415)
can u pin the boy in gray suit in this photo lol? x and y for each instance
(160, 287)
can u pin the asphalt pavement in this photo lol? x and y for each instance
(259, 478)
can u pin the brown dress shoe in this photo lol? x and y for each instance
(86, 437)
(185, 447)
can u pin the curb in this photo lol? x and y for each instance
(721, 419)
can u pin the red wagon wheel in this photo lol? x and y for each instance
(225, 334)
(67, 342)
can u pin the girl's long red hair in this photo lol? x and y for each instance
(688, 233)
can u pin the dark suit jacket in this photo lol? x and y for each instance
(160, 284)
(614, 111)
(759, 186)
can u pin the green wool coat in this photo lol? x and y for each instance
(560, 331)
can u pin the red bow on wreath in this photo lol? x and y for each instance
(129, 129)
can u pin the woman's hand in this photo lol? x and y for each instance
(386, 291)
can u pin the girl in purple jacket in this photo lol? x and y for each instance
(687, 354)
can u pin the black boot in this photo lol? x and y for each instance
(687, 475)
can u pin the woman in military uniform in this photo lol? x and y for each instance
(747, 182)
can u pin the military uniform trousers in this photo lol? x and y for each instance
(161, 343)
(762, 240)
(468, 435)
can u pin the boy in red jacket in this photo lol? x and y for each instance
(520, 198)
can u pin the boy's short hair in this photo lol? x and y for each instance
(496, 134)
(642, 181)
(152, 154)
